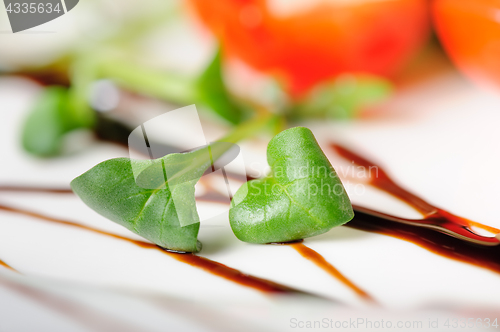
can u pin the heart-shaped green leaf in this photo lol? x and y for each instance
(301, 197)
(136, 195)
(155, 198)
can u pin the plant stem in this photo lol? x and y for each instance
(200, 159)
(250, 128)
(243, 131)
(173, 88)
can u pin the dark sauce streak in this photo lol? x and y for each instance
(236, 276)
(322, 263)
(2, 263)
(213, 197)
(439, 243)
(205, 264)
(305, 252)
(46, 77)
(486, 256)
(108, 129)
(287, 242)
(436, 242)
(482, 256)
(380, 180)
(36, 189)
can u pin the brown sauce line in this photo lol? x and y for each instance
(2, 263)
(431, 240)
(305, 252)
(36, 189)
(322, 263)
(487, 257)
(380, 180)
(203, 263)
(213, 197)
(487, 228)
(431, 213)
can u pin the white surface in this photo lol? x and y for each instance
(442, 145)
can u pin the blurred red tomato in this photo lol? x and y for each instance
(305, 48)
(470, 33)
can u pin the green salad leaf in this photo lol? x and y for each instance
(301, 197)
(48, 122)
(212, 92)
(154, 199)
(343, 98)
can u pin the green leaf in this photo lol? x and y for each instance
(343, 98)
(213, 93)
(301, 197)
(154, 199)
(48, 122)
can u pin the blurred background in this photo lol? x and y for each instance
(414, 84)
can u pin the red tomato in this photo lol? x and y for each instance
(470, 33)
(303, 49)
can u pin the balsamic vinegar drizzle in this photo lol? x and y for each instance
(437, 242)
(36, 189)
(212, 266)
(431, 213)
(322, 263)
(2, 263)
(304, 251)
(205, 264)
(486, 256)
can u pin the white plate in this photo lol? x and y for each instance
(442, 145)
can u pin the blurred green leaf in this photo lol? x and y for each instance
(213, 93)
(343, 98)
(47, 123)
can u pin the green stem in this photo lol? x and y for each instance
(250, 128)
(174, 88)
(243, 131)
(218, 148)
